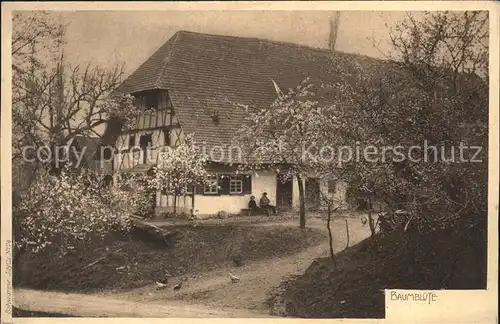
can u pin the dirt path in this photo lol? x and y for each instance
(209, 294)
(257, 279)
(99, 306)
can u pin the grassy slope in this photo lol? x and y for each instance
(200, 248)
(442, 261)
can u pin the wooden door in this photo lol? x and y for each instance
(145, 142)
(312, 193)
(284, 191)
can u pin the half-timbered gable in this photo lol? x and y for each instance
(157, 127)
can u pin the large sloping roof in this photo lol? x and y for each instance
(92, 147)
(205, 73)
(89, 142)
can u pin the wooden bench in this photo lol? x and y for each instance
(249, 212)
(258, 212)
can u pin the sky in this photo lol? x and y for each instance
(108, 38)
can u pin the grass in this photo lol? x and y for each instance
(443, 260)
(199, 248)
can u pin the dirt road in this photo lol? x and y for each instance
(257, 279)
(99, 306)
(210, 294)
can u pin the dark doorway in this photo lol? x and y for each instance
(145, 142)
(284, 192)
(312, 193)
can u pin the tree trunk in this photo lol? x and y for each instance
(347, 231)
(330, 238)
(175, 204)
(302, 205)
(371, 222)
(192, 201)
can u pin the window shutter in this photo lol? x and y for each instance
(224, 184)
(247, 184)
(131, 141)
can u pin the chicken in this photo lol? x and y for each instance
(233, 278)
(178, 286)
(237, 262)
(160, 285)
(237, 258)
(164, 281)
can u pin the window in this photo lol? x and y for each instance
(211, 188)
(331, 186)
(236, 184)
(107, 153)
(146, 140)
(166, 137)
(131, 140)
(151, 101)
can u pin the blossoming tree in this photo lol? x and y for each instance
(271, 137)
(434, 91)
(179, 169)
(68, 211)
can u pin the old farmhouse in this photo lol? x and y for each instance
(189, 86)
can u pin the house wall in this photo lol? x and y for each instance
(339, 195)
(263, 181)
(126, 159)
(206, 205)
(163, 118)
(295, 193)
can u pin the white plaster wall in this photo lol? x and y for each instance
(209, 205)
(264, 181)
(295, 193)
(339, 195)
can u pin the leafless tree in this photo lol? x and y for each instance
(52, 100)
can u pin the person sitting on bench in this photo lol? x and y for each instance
(252, 205)
(265, 204)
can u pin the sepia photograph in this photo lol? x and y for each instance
(247, 163)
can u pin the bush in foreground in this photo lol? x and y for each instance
(71, 209)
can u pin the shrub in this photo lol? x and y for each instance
(73, 208)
